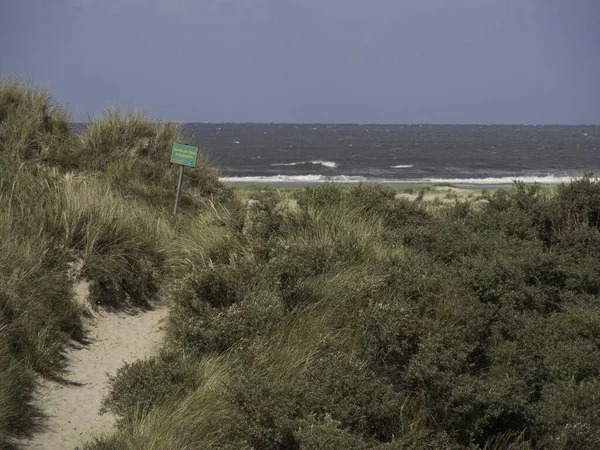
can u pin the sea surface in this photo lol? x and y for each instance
(404, 154)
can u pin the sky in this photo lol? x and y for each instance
(313, 61)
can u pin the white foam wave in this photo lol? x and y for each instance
(492, 181)
(549, 179)
(329, 164)
(295, 179)
(402, 166)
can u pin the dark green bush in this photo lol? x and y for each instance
(328, 433)
(221, 285)
(144, 384)
(336, 387)
(264, 222)
(379, 202)
(358, 320)
(393, 332)
(320, 197)
(203, 329)
(343, 387)
(299, 261)
(444, 240)
(568, 416)
(579, 203)
(218, 305)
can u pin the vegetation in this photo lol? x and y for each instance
(327, 317)
(348, 318)
(64, 218)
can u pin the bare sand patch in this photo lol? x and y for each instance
(443, 194)
(73, 406)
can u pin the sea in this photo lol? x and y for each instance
(467, 155)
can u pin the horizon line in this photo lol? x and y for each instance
(362, 124)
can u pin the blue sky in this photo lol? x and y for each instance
(330, 61)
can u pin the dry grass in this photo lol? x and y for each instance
(61, 204)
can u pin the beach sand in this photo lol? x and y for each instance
(72, 406)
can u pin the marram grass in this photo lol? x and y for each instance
(64, 207)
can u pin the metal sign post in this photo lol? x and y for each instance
(178, 195)
(184, 155)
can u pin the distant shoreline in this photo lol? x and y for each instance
(351, 180)
(400, 184)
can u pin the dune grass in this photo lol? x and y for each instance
(132, 153)
(32, 125)
(91, 206)
(37, 318)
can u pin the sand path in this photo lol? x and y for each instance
(73, 408)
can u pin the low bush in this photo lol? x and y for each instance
(319, 197)
(334, 386)
(567, 416)
(145, 384)
(204, 329)
(359, 320)
(579, 203)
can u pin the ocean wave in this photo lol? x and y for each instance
(295, 179)
(330, 164)
(402, 166)
(548, 179)
(491, 181)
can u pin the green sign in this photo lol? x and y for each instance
(185, 155)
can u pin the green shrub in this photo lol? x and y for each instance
(328, 433)
(297, 262)
(145, 384)
(203, 329)
(333, 386)
(320, 197)
(579, 203)
(264, 222)
(444, 240)
(568, 416)
(393, 332)
(372, 199)
(523, 212)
